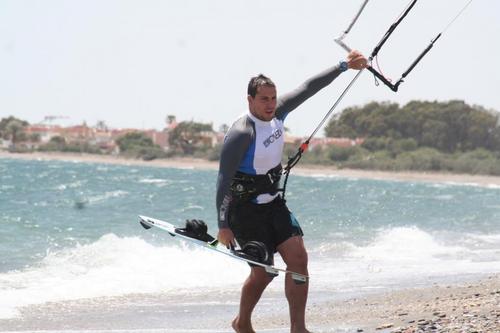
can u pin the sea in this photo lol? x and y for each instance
(74, 258)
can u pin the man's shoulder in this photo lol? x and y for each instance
(243, 124)
(281, 110)
(241, 129)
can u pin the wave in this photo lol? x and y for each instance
(75, 184)
(407, 244)
(114, 266)
(436, 183)
(153, 181)
(404, 256)
(117, 266)
(449, 184)
(106, 196)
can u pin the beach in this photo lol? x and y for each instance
(470, 307)
(464, 307)
(468, 303)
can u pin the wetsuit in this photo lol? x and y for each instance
(253, 147)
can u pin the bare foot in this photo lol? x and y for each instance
(299, 330)
(238, 328)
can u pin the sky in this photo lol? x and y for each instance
(132, 63)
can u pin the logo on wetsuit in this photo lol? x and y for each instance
(273, 137)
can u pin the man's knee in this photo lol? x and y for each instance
(293, 252)
(299, 259)
(258, 275)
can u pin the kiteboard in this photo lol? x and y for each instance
(209, 242)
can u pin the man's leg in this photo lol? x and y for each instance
(250, 294)
(294, 254)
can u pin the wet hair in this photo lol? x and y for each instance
(258, 81)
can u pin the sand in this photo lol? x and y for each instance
(469, 307)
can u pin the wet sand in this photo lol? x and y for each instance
(466, 307)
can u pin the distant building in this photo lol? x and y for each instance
(104, 138)
(340, 142)
(79, 133)
(4, 144)
(116, 133)
(44, 132)
(159, 138)
(220, 137)
(316, 143)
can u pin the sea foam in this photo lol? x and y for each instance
(114, 266)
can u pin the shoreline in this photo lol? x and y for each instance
(463, 307)
(301, 169)
(472, 306)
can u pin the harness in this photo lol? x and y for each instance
(247, 187)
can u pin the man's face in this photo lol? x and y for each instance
(263, 105)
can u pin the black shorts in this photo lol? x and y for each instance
(271, 223)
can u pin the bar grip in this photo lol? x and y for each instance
(383, 79)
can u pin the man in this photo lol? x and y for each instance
(249, 204)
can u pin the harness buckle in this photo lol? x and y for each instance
(247, 187)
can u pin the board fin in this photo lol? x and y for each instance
(271, 271)
(299, 278)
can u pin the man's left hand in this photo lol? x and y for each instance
(356, 60)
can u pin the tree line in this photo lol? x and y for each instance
(421, 135)
(446, 126)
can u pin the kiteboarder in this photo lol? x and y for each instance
(250, 206)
